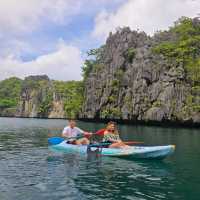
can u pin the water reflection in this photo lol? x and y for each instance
(28, 170)
(113, 178)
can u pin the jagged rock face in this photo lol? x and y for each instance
(39, 99)
(38, 96)
(145, 87)
(28, 103)
(57, 109)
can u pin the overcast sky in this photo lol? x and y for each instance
(52, 36)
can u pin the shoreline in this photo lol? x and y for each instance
(167, 123)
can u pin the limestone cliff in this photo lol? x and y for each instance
(38, 96)
(39, 99)
(132, 77)
(129, 81)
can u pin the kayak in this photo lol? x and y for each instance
(143, 152)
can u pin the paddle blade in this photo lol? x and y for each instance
(55, 140)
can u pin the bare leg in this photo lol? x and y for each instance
(77, 142)
(83, 141)
(118, 145)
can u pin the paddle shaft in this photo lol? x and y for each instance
(133, 142)
(89, 134)
(102, 144)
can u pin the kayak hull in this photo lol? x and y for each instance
(141, 152)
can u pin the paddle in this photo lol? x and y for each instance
(103, 144)
(55, 140)
(58, 140)
(133, 142)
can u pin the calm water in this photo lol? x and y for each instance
(28, 170)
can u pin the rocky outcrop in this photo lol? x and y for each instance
(57, 109)
(38, 96)
(128, 81)
(39, 99)
(135, 84)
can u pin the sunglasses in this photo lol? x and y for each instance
(111, 130)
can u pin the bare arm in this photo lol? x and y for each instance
(65, 132)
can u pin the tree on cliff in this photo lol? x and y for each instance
(93, 62)
(10, 92)
(185, 49)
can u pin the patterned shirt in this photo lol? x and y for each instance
(110, 137)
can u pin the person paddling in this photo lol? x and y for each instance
(110, 135)
(73, 133)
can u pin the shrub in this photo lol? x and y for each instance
(72, 94)
(130, 54)
(7, 103)
(10, 92)
(111, 113)
(184, 50)
(115, 83)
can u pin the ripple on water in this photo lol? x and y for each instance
(28, 170)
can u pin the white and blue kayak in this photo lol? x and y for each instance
(143, 152)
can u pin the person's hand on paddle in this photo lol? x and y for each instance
(87, 134)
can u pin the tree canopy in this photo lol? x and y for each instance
(10, 92)
(184, 50)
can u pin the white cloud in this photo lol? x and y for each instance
(24, 26)
(17, 17)
(145, 15)
(63, 64)
(22, 20)
(21, 16)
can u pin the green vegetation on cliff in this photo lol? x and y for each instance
(46, 104)
(184, 50)
(37, 96)
(94, 62)
(130, 54)
(10, 92)
(71, 92)
(111, 113)
(132, 77)
(35, 82)
(146, 78)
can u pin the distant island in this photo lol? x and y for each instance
(132, 78)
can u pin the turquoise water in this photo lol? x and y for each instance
(28, 170)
